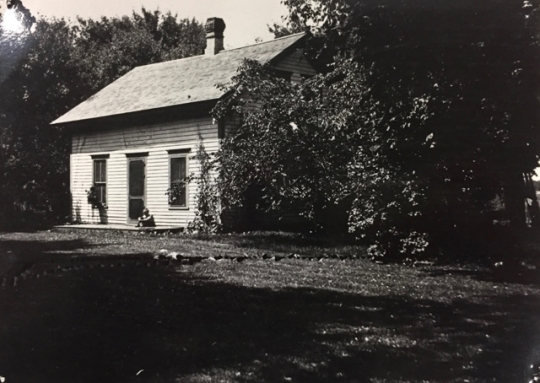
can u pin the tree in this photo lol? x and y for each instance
(288, 28)
(295, 146)
(15, 26)
(438, 103)
(107, 49)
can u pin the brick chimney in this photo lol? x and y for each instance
(214, 35)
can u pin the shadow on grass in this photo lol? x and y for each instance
(18, 255)
(514, 274)
(34, 247)
(289, 242)
(108, 324)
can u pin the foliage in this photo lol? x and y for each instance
(34, 157)
(108, 48)
(293, 147)
(431, 109)
(93, 199)
(53, 67)
(208, 212)
(290, 27)
(177, 191)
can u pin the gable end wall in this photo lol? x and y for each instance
(295, 62)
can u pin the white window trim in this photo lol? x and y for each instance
(104, 158)
(181, 154)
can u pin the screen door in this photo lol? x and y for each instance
(136, 188)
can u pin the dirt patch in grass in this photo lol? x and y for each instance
(98, 308)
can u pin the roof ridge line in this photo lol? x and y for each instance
(263, 42)
(220, 52)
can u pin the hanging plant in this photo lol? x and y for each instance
(92, 198)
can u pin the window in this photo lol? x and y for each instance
(284, 75)
(221, 128)
(100, 180)
(178, 183)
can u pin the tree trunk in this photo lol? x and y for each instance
(514, 200)
(532, 201)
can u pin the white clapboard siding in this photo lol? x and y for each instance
(164, 137)
(117, 166)
(296, 63)
(80, 182)
(172, 133)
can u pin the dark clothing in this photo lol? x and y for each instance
(146, 221)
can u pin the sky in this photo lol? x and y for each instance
(246, 20)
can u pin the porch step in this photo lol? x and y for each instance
(89, 226)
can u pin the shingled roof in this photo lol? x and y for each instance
(175, 82)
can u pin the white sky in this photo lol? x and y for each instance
(246, 20)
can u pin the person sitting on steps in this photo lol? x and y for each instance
(147, 220)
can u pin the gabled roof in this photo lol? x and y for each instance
(177, 82)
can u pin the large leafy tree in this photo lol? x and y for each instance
(110, 47)
(440, 111)
(33, 167)
(15, 25)
(53, 66)
(289, 149)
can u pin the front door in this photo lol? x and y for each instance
(136, 188)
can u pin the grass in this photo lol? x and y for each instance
(96, 307)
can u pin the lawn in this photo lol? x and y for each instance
(263, 307)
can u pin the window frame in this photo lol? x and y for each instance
(221, 128)
(100, 185)
(173, 154)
